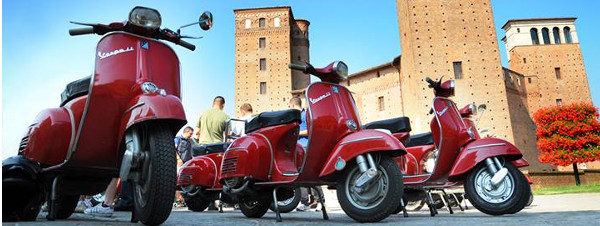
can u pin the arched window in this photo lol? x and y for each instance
(534, 36)
(567, 31)
(276, 22)
(556, 33)
(248, 23)
(261, 22)
(546, 35)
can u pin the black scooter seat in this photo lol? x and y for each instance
(420, 139)
(274, 118)
(394, 125)
(75, 89)
(206, 149)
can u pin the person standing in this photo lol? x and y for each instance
(183, 144)
(238, 127)
(212, 123)
(296, 103)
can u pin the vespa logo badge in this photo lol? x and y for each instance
(314, 101)
(102, 55)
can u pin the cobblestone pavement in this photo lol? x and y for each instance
(569, 209)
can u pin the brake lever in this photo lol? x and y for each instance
(81, 23)
(191, 37)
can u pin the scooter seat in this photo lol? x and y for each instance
(273, 118)
(75, 89)
(206, 149)
(394, 125)
(420, 139)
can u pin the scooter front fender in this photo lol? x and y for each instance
(357, 143)
(200, 170)
(479, 150)
(151, 106)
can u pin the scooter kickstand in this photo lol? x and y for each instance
(446, 199)
(431, 204)
(275, 204)
(457, 202)
(220, 203)
(53, 197)
(134, 218)
(465, 200)
(322, 201)
(404, 213)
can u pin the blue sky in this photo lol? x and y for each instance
(39, 57)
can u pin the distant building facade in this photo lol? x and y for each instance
(266, 41)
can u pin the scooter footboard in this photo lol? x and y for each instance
(479, 150)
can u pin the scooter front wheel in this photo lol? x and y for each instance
(153, 194)
(505, 198)
(255, 207)
(376, 201)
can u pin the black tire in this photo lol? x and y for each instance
(289, 204)
(21, 201)
(530, 201)
(65, 206)
(197, 205)
(383, 207)
(511, 204)
(153, 198)
(255, 207)
(523, 201)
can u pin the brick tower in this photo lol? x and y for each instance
(547, 52)
(266, 41)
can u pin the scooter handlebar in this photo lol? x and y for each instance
(81, 31)
(298, 67)
(187, 45)
(430, 81)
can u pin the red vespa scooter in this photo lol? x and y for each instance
(120, 122)
(454, 154)
(357, 162)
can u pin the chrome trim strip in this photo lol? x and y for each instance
(216, 170)
(361, 139)
(133, 107)
(413, 157)
(290, 174)
(236, 148)
(310, 129)
(486, 145)
(272, 155)
(73, 131)
(416, 175)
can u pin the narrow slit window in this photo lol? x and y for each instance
(534, 36)
(262, 43)
(261, 22)
(458, 74)
(380, 103)
(557, 72)
(263, 87)
(559, 102)
(263, 64)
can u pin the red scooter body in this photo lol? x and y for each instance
(114, 103)
(119, 122)
(269, 156)
(201, 170)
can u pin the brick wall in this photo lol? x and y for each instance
(543, 179)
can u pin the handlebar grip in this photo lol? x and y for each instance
(187, 45)
(297, 67)
(429, 80)
(81, 31)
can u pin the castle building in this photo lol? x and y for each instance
(266, 41)
(450, 39)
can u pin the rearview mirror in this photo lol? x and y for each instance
(206, 20)
(482, 107)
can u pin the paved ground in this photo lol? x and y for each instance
(570, 209)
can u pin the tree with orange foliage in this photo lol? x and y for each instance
(568, 134)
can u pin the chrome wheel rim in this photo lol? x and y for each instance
(372, 196)
(489, 193)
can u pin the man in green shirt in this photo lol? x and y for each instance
(212, 123)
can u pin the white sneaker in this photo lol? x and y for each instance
(100, 211)
(302, 208)
(88, 203)
(80, 207)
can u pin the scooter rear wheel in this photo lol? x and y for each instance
(255, 207)
(379, 200)
(66, 205)
(288, 205)
(504, 199)
(153, 196)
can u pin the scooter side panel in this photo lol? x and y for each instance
(358, 143)
(479, 150)
(49, 137)
(200, 170)
(247, 156)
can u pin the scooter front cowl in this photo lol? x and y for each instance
(200, 170)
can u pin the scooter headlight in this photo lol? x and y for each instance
(145, 17)
(341, 69)
(149, 87)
